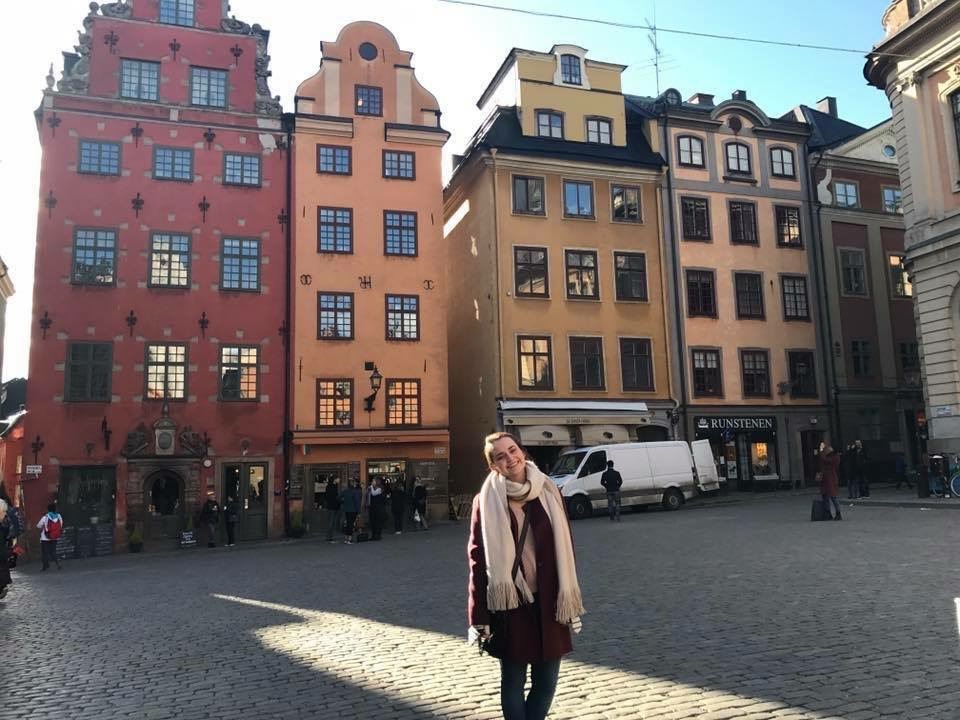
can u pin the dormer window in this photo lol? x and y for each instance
(570, 70)
(738, 159)
(550, 124)
(599, 131)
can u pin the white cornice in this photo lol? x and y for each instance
(417, 137)
(324, 127)
(560, 166)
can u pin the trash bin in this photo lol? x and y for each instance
(923, 483)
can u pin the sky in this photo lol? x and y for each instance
(457, 49)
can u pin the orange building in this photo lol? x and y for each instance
(369, 350)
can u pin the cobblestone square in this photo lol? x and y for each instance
(743, 610)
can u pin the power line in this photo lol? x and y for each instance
(691, 33)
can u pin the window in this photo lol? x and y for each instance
(208, 87)
(239, 372)
(534, 363)
(368, 100)
(241, 169)
(803, 378)
(173, 164)
(691, 151)
(860, 357)
(528, 195)
(166, 370)
(176, 12)
(334, 230)
(582, 274)
(626, 203)
(738, 159)
(853, 272)
(749, 289)
(169, 260)
(240, 264)
(707, 381)
(94, 257)
(695, 218)
(893, 200)
(403, 402)
(88, 372)
(743, 223)
(139, 80)
(577, 199)
(845, 194)
(794, 291)
(570, 70)
(400, 165)
(900, 283)
(549, 124)
(788, 226)
(910, 362)
(636, 364)
(599, 131)
(755, 373)
(701, 296)
(334, 403)
(530, 272)
(334, 316)
(403, 317)
(99, 158)
(399, 233)
(631, 275)
(334, 159)
(781, 163)
(586, 363)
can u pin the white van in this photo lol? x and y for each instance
(668, 473)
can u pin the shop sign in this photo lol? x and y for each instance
(735, 423)
(34, 469)
(944, 411)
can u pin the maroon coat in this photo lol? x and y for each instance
(529, 638)
(829, 483)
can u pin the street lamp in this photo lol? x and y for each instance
(376, 380)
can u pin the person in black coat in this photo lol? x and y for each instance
(612, 482)
(398, 505)
(420, 504)
(377, 506)
(210, 516)
(331, 502)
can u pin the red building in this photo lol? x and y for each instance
(157, 352)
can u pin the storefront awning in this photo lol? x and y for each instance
(602, 434)
(556, 435)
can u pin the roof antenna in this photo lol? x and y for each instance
(652, 37)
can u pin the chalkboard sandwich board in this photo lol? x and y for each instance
(188, 538)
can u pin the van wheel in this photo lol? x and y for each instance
(580, 508)
(672, 499)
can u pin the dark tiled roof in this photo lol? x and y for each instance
(827, 131)
(505, 134)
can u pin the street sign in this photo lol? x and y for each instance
(34, 469)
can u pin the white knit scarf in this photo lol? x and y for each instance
(503, 592)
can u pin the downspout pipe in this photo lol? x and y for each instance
(289, 122)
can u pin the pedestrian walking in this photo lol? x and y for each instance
(51, 528)
(398, 505)
(332, 503)
(210, 517)
(901, 473)
(523, 597)
(829, 482)
(350, 500)
(8, 531)
(376, 508)
(231, 516)
(847, 472)
(860, 462)
(420, 504)
(612, 482)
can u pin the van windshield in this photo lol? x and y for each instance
(568, 463)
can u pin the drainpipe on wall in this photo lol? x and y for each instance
(288, 125)
(675, 260)
(496, 281)
(823, 307)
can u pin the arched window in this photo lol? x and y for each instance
(738, 159)
(781, 163)
(570, 70)
(690, 151)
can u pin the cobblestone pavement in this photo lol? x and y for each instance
(732, 611)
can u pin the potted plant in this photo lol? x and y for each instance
(136, 539)
(296, 524)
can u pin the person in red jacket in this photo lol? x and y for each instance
(523, 595)
(829, 482)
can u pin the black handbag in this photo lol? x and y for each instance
(495, 644)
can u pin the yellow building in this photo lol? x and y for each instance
(557, 328)
(369, 350)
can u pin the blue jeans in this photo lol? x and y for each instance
(827, 500)
(613, 504)
(543, 684)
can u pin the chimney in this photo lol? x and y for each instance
(828, 105)
(701, 99)
(739, 95)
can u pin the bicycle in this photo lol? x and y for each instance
(941, 486)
